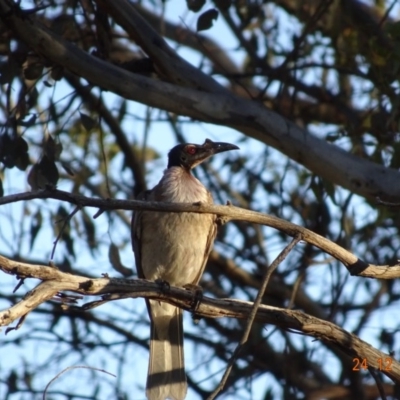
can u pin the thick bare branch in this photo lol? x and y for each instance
(55, 281)
(167, 62)
(355, 265)
(328, 161)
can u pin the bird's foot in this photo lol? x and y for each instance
(164, 285)
(222, 220)
(197, 297)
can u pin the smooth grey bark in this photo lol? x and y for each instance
(328, 161)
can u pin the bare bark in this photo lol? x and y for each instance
(355, 265)
(328, 161)
(55, 281)
(168, 63)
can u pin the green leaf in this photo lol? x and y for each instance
(195, 5)
(32, 98)
(21, 154)
(33, 71)
(8, 71)
(395, 162)
(36, 224)
(43, 174)
(57, 72)
(35, 180)
(52, 148)
(67, 168)
(90, 229)
(223, 4)
(122, 110)
(88, 122)
(393, 29)
(206, 19)
(14, 151)
(7, 150)
(63, 222)
(22, 161)
(49, 170)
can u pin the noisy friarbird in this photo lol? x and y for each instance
(173, 247)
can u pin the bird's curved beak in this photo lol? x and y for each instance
(211, 147)
(208, 149)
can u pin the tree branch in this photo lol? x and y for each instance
(355, 265)
(253, 315)
(253, 119)
(168, 63)
(55, 281)
(96, 104)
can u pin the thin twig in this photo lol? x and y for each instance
(66, 221)
(378, 382)
(73, 367)
(103, 152)
(283, 254)
(387, 203)
(296, 287)
(386, 15)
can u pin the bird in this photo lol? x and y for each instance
(173, 248)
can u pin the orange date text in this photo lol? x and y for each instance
(384, 364)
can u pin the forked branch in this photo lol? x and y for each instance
(55, 281)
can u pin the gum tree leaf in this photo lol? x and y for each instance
(8, 71)
(36, 224)
(14, 151)
(90, 230)
(33, 71)
(206, 19)
(22, 161)
(52, 148)
(63, 222)
(35, 180)
(49, 170)
(223, 4)
(32, 98)
(195, 5)
(43, 174)
(67, 168)
(88, 122)
(57, 73)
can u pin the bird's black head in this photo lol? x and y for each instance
(189, 155)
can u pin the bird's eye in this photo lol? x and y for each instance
(190, 149)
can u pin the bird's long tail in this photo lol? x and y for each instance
(166, 377)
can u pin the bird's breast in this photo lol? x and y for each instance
(179, 243)
(179, 186)
(175, 246)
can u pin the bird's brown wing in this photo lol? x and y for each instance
(207, 251)
(136, 229)
(166, 375)
(210, 242)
